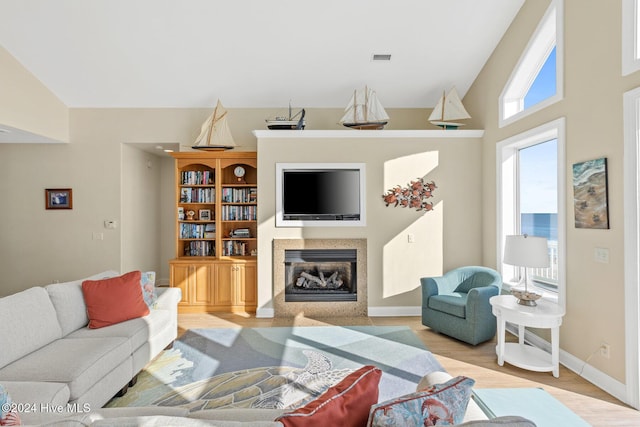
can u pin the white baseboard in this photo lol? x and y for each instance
(265, 313)
(579, 366)
(403, 311)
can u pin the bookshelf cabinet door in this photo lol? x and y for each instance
(245, 285)
(223, 284)
(194, 280)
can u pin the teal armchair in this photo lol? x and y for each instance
(457, 303)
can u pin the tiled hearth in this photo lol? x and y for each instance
(284, 308)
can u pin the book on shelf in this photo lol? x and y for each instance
(199, 248)
(197, 195)
(196, 178)
(239, 195)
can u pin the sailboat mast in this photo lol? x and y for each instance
(355, 106)
(213, 122)
(444, 99)
(366, 104)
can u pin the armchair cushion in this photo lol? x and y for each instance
(457, 303)
(453, 304)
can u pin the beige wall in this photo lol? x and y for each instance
(592, 105)
(447, 237)
(110, 180)
(26, 104)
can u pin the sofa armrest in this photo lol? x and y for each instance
(168, 298)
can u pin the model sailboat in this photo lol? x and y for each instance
(364, 111)
(292, 121)
(215, 133)
(448, 108)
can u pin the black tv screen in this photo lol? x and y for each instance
(325, 194)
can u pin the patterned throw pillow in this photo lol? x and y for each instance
(8, 417)
(346, 403)
(441, 404)
(148, 283)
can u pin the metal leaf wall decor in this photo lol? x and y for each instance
(415, 195)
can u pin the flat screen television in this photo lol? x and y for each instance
(320, 194)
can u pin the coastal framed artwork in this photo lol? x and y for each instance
(58, 198)
(590, 205)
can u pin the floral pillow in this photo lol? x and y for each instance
(441, 404)
(148, 284)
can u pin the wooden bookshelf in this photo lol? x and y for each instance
(215, 263)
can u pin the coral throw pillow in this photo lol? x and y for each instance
(441, 404)
(346, 403)
(114, 300)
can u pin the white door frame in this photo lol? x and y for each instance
(631, 104)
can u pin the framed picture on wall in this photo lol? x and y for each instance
(58, 198)
(590, 205)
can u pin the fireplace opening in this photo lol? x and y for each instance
(320, 275)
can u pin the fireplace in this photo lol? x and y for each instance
(335, 274)
(320, 275)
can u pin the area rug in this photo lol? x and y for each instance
(281, 367)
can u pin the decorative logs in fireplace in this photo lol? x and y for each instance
(320, 275)
(307, 280)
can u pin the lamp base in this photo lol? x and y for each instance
(526, 298)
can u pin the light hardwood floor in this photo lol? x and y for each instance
(478, 362)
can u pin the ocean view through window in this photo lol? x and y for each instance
(538, 201)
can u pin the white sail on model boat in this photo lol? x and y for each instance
(215, 133)
(448, 108)
(364, 111)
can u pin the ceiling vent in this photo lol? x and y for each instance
(381, 57)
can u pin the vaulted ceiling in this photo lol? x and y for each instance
(252, 53)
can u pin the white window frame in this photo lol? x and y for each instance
(630, 37)
(507, 201)
(548, 34)
(631, 116)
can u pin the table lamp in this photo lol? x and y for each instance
(528, 252)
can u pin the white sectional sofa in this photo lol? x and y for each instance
(50, 357)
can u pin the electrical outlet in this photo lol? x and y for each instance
(411, 238)
(605, 350)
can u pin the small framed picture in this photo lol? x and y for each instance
(204, 214)
(58, 198)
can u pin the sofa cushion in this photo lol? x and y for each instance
(28, 321)
(505, 421)
(453, 304)
(68, 300)
(348, 401)
(114, 300)
(38, 392)
(138, 330)
(442, 404)
(79, 363)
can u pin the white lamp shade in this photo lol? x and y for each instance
(526, 251)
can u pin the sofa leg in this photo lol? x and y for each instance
(133, 381)
(170, 346)
(123, 391)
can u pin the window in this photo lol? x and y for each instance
(536, 81)
(537, 193)
(630, 37)
(531, 176)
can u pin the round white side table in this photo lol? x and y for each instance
(546, 315)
